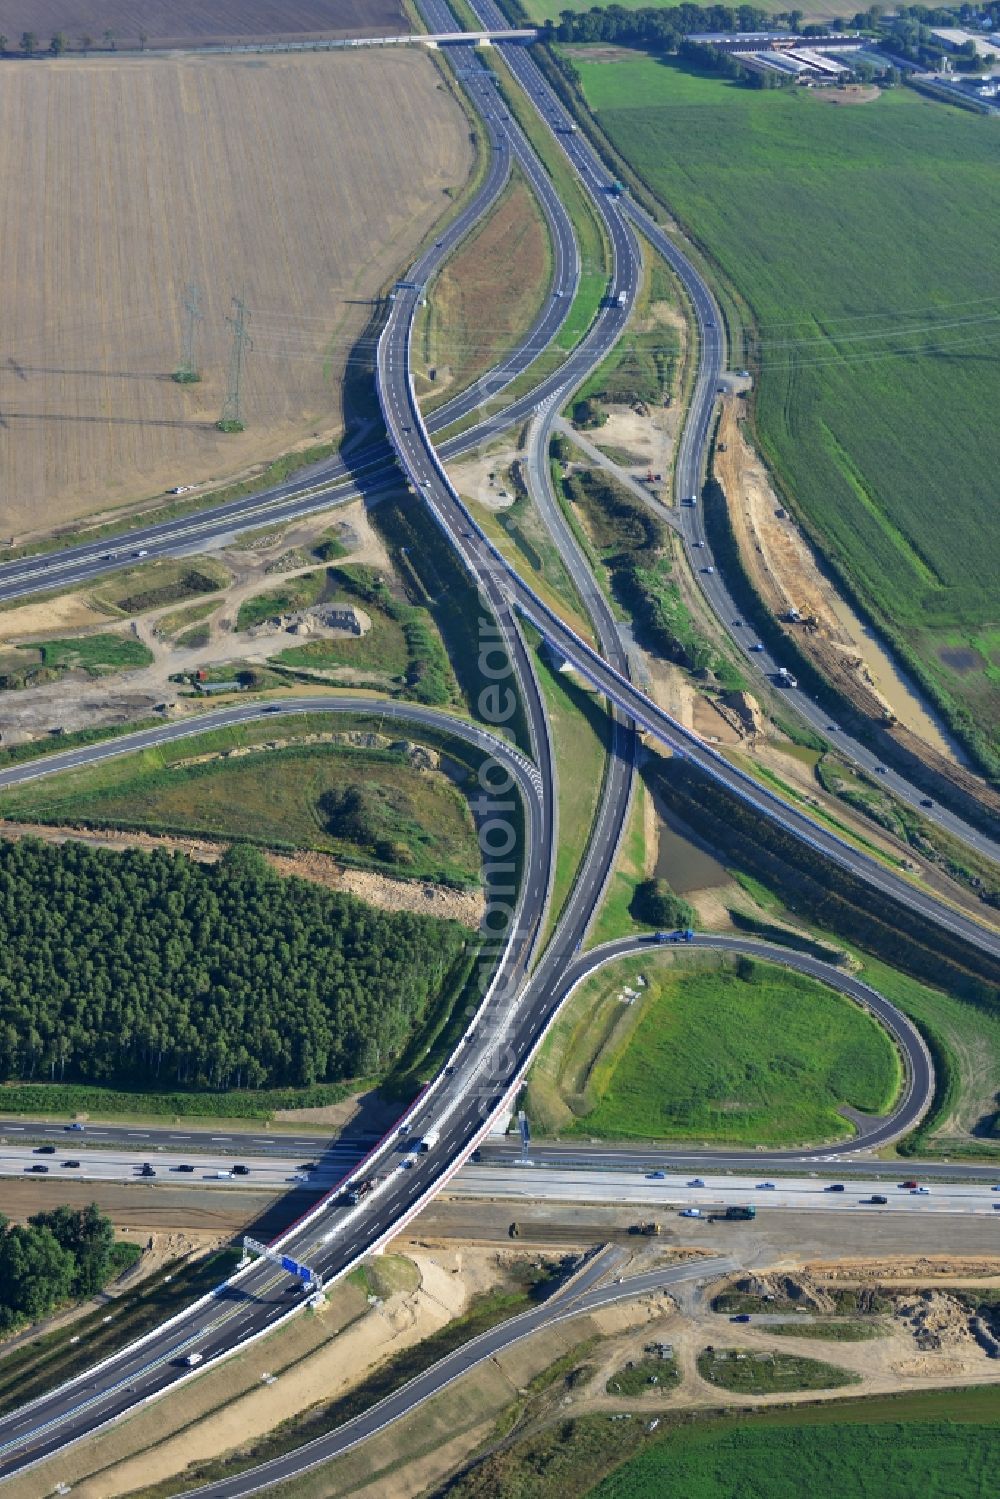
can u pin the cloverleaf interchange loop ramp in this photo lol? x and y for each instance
(517, 1010)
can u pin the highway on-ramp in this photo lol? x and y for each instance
(487, 1067)
(581, 1296)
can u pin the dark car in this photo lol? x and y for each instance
(71, 1165)
(45, 1150)
(834, 1187)
(37, 1167)
(147, 1170)
(878, 1199)
(925, 801)
(185, 1167)
(741, 1317)
(241, 1170)
(275, 709)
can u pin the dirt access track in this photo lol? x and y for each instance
(302, 182)
(198, 22)
(786, 575)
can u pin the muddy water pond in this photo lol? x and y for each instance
(682, 859)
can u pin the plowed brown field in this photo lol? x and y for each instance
(303, 181)
(170, 22)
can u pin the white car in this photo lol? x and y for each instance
(690, 1212)
(920, 1191)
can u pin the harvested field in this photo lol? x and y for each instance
(124, 23)
(304, 185)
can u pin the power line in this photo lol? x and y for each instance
(187, 372)
(231, 419)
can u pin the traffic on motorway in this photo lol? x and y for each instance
(705, 1197)
(406, 1169)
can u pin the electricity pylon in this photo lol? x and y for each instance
(231, 418)
(187, 372)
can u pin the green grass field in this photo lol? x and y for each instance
(746, 1373)
(412, 822)
(96, 654)
(792, 1458)
(856, 237)
(746, 1054)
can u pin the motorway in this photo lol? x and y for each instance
(582, 1294)
(336, 480)
(539, 1181)
(487, 1066)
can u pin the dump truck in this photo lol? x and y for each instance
(649, 1230)
(740, 1213)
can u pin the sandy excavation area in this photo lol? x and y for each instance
(924, 1341)
(302, 183)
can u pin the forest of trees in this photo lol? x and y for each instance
(133, 967)
(60, 1256)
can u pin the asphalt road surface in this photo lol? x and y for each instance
(581, 1297)
(543, 1182)
(452, 1113)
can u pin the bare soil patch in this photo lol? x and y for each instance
(854, 93)
(466, 906)
(172, 22)
(315, 1358)
(786, 574)
(303, 184)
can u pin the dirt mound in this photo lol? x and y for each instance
(900, 1269)
(936, 1320)
(783, 1289)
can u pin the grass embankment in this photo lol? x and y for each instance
(581, 736)
(745, 1373)
(705, 1050)
(858, 393)
(435, 579)
(485, 1312)
(366, 806)
(43, 1363)
(635, 550)
(69, 1100)
(831, 1332)
(486, 297)
(521, 536)
(615, 918)
(847, 1301)
(926, 838)
(820, 892)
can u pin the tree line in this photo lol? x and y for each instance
(56, 1257)
(138, 968)
(31, 44)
